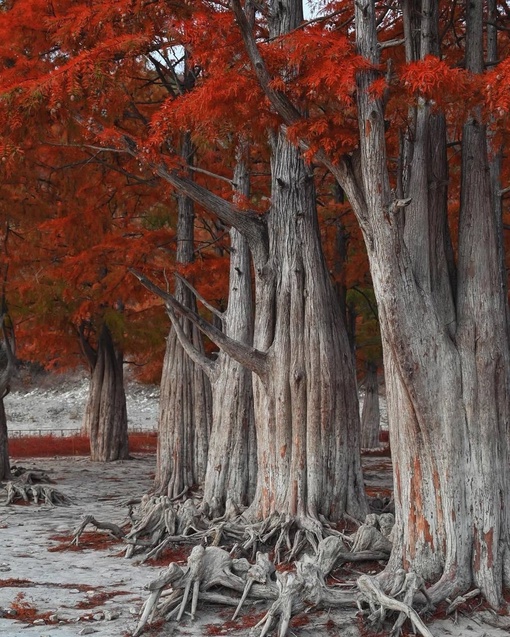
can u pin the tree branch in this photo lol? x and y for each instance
(197, 294)
(208, 366)
(251, 358)
(280, 102)
(248, 223)
(88, 351)
(202, 171)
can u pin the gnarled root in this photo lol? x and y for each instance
(405, 585)
(207, 568)
(113, 529)
(35, 493)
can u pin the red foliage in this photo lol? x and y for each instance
(48, 446)
(26, 612)
(88, 540)
(178, 554)
(245, 621)
(99, 598)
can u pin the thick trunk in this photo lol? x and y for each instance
(445, 344)
(306, 404)
(105, 418)
(5, 467)
(185, 402)
(370, 413)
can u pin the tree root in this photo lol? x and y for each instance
(113, 529)
(405, 585)
(30, 476)
(212, 574)
(36, 493)
(208, 567)
(213, 568)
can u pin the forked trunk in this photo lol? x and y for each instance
(445, 340)
(105, 418)
(370, 413)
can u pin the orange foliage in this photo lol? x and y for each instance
(48, 446)
(95, 95)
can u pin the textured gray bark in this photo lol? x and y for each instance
(445, 338)
(5, 467)
(7, 362)
(7, 367)
(232, 461)
(306, 405)
(185, 402)
(370, 413)
(105, 419)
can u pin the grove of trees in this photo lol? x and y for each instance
(257, 178)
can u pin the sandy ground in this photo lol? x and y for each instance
(100, 592)
(57, 403)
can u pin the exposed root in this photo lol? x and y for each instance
(406, 585)
(213, 568)
(30, 476)
(207, 568)
(36, 493)
(113, 529)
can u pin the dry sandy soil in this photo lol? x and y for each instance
(96, 590)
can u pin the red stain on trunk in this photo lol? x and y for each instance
(489, 541)
(417, 519)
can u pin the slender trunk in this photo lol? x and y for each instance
(8, 360)
(185, 402)
(445, 341)
(232, 463)
(5, 467)
(231, 467)
(370, 414)
(106, 415)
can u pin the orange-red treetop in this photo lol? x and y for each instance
(106, 89)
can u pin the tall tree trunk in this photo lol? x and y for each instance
(185, 402)
(370, 413)
(232, 461)
(231, 464)
(105, 418)
(5, 467)
(305, 398)
(306, 404)
(445, 341)
(8, 361)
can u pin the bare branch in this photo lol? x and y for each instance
(248, 223)
(208, 366)
(202, 300)
(390, 43)
(202, 171)
(251, 358)
(279, 100)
